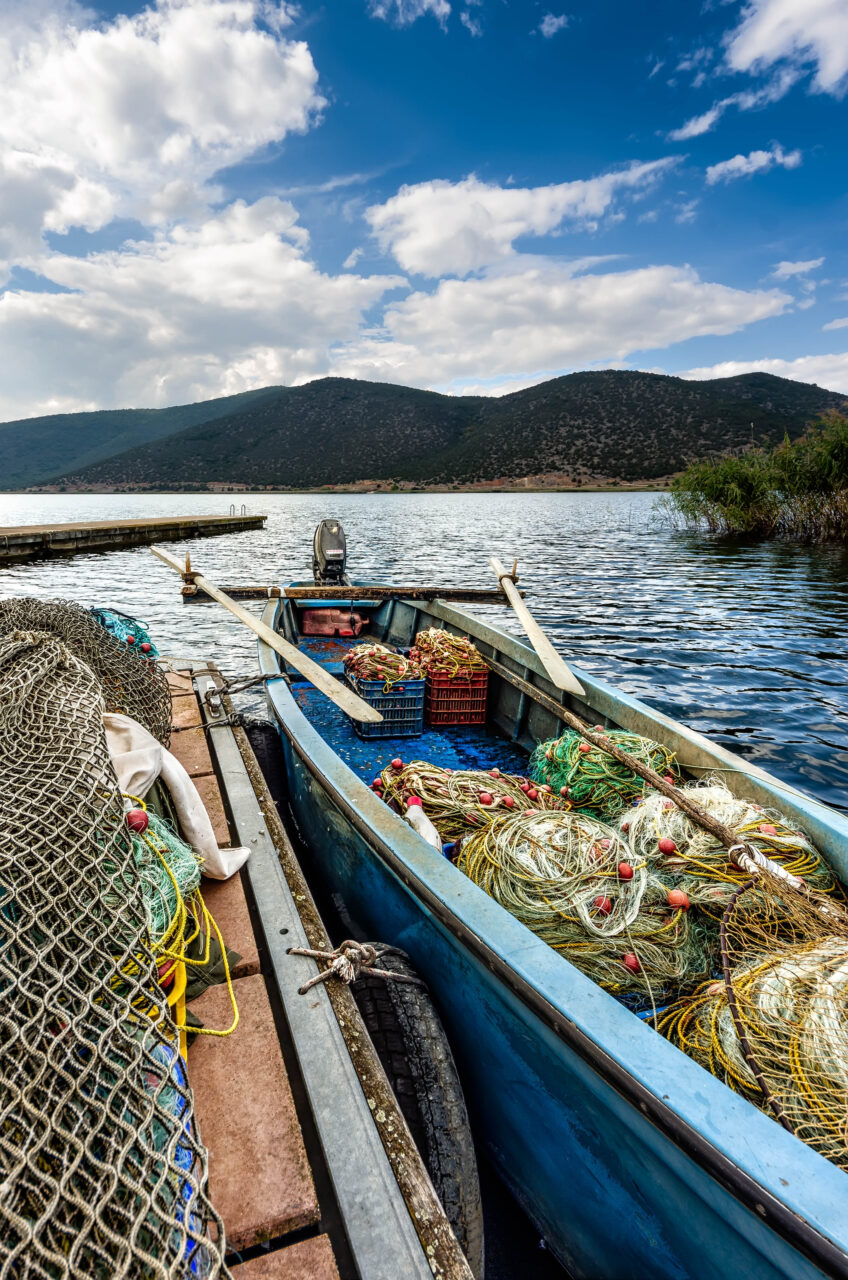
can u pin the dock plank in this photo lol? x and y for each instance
(33, 542)
(210, 794)
(259, 1175)
(185, 712)
(309, 1260)
(179, 682)
(228, 906)
(192, 751)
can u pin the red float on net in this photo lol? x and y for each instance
(137, 821)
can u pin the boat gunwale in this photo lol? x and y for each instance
(769, 1207)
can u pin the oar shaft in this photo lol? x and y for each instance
(558, 670)
(336, 692)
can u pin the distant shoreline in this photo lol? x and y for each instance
(658, 487)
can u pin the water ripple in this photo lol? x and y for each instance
(742, 641)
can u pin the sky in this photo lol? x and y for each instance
(199, 197)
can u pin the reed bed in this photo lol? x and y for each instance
(797, 490)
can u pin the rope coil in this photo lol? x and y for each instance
(457, 801)
(376, 662)
(593, 779)
(442, 653)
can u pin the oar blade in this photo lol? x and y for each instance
(340, 694)
(558, 670)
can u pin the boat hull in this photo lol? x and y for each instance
(631, 1160)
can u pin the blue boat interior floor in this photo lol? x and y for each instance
(450, 747)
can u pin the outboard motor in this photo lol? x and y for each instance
(329, 559)
(329, 555)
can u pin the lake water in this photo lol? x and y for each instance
(745, 642)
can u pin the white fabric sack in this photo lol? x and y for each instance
(136, 755)
(139, 760)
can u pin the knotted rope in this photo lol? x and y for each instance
(349, 960)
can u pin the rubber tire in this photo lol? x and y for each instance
(416, 1056)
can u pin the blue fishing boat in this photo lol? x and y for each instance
(631, 1159)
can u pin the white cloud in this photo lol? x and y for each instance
(542, 315)
(835, 324)
(200, 310)
(552, 23)
(785, 270)
(830, 371)
(782, 38)
(687, 212)
(352, 259)
(404, 12)
(442, 227)
(740, 166)
(471, 24)
(699, 124)
(747, 100)
(775, 31)
(136, 115)
(495, 387)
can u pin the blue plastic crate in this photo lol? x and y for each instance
(402, 708)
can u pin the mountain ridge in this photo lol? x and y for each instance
(599, 426)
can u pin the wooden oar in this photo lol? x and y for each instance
(558, 670)
(322, 680)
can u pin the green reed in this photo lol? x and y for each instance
(796, 490)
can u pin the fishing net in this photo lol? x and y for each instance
(441, 653)
(775, 1028)
(129, 631)
(103, 1174)
(575, 883)
(592, 779)
(457, 801)
(686, 855)
(169, 871)
(130, 686)
(376, 662)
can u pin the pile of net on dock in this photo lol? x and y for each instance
(135, 688)
(458, 800)
(129, 631)
(441, 653)
(775, 1027)
(102, 1169)
(590, 778)
(691, 858)
(573, 881)
(376, 662)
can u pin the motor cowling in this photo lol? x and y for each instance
(329, 555)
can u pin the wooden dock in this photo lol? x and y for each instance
(304, 1144)
(37, 541)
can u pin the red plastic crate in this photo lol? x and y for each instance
(456, 699)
